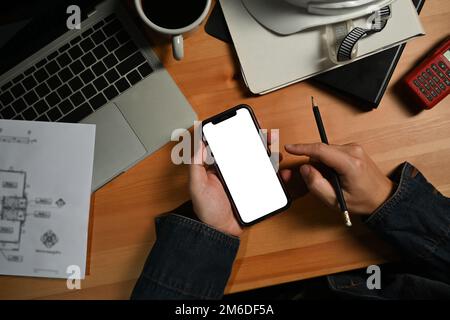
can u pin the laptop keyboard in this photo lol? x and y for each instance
(78, 78)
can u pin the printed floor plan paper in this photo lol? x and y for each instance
(45, 189)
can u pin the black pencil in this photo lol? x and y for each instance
(334, 176)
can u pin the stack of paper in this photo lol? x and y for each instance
(45, 189)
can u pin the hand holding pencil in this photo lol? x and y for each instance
(364, 187)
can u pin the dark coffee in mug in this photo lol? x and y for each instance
(173, 14)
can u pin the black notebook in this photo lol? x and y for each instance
(364, 80)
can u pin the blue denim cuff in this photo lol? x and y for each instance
(190, 260)
(416, 221)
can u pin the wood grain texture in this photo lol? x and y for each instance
(308, 240)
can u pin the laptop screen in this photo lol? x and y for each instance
(28, 25)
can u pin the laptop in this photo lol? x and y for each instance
(104, 74)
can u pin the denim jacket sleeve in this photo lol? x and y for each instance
(416, 221)
(189, 260)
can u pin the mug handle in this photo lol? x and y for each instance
(178, 47)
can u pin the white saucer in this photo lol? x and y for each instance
(285, 19)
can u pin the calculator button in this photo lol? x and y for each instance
(427, 86)
(437, 90)
(442, 86)
(423, 90)
(430, 98)
(421, 79)
(436, 79)
(447, 82)
(430, 72)
(434, 67)
(432, 83)
(433, 93)
(440, 74)
(442, 65)
(425, 75)
(448, 73)
(416, 83)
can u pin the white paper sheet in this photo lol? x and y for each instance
(45, 189)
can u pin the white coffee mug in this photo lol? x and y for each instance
(176, 34)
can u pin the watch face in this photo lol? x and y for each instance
(447, 55)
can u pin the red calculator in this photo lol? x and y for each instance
(430, 80)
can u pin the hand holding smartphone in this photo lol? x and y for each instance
(243, 165)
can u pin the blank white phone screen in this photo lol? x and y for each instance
(246, 168)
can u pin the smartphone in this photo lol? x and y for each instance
(242, 160)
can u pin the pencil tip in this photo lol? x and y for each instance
(348, 222)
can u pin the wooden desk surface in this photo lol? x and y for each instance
(307, 241)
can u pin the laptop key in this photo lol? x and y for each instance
(41, 63)
(78, 114)
(145, 69)
(122, 36)
(87, 44)
(75, 40)
(64, 91)
(52, 99)
(17, 90)
(7, 113)
(88, 59)
(54, 114)
(110, 60)
(110, 17)
(18, 78)
(31, 97)
(134, 77)
(112, 27)
(99, 68)
(97, 101)
(19, 105)
(52, 67)
(75, 52)
(125, 50)
(64, 48)
(64, 60)
(6, 98)
(130, 63)
(87, 32)
(88, 91)
(65, 74)
(54, 82)
(52, 55)
(65, 106)
(100, 51)
(98, 37)
(112, 75)
(100, 83)
(77, 98)
(87, 76)
(122, 85)
(29, 114)
(41, 75)
(110, 92)
(76, 67)
(30, 70)
(98, 24)
(6, 86)
(75, 84)
(29, 82)
(42, 90)
(111, 44)
(41, 106)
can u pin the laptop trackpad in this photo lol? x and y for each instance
(116, 145)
